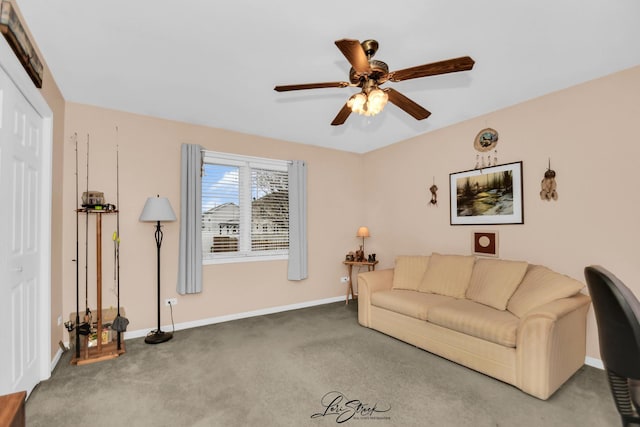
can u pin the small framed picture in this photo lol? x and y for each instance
(484, 243)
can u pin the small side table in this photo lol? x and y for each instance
(371, 266)
(12, 409)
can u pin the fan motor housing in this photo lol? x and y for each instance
(370, 47)
(379, 70)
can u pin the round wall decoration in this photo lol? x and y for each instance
(486, 140)
(485, 243)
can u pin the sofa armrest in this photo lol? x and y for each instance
(368, 283)
(551, 344)
(554, 310)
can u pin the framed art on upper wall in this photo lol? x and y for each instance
(487, 196)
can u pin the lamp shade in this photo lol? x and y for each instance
(157, 209)
(357, 102)
(363, 232)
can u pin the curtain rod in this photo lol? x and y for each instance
(221, 154)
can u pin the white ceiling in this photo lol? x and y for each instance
(215, 63)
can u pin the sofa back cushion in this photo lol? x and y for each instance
(409, 271)
(493, 281)
(541, 286)
(448, 275)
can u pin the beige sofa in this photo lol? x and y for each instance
(522, 324)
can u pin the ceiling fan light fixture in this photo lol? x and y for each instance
(376, 100)
(357, 103)
(368, 74)
(368, 104)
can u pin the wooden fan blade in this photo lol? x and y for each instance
(342, 116)
(406, 104)
(352, 50)
(310, 86)
(463, 63)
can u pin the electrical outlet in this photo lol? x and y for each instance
(344, 279)
(171, 301)
(59, 320)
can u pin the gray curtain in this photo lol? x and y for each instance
(297, 269)
(190, 257)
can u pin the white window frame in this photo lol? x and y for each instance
(245, 164)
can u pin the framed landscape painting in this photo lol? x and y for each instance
(487, 196)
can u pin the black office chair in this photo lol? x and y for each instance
(618, 317)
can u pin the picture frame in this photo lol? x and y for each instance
(484, 243)
(491, 195)
(16, 36)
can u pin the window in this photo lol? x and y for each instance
(245, 208)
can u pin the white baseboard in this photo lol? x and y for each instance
(220, 319)
(56, 359)
(592, 361)
(236, 316)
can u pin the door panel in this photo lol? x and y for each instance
(20, 163)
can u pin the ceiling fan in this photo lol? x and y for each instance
(368, 74)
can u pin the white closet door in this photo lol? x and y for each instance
(20, 248)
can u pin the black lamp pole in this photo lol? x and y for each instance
(158, 336)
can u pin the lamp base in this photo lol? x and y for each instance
(158, 337)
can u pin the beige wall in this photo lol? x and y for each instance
(149, 153)
(589, 132)
(149, 164)
(54, 98)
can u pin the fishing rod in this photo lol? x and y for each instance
(87, 312)
(118, 338)
(118, 226)
(119, 323)
(77, 256)
(80, 328)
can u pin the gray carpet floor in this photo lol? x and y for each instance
(299, 368)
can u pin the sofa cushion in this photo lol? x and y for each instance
(541, 286)
(493, 281)
(408, 272)
(478, 320)
(448, 275)
(410, 303)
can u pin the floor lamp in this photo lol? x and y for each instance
(158, 209)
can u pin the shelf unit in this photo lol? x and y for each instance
(101, 351)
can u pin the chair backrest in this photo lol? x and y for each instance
(617, 313)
